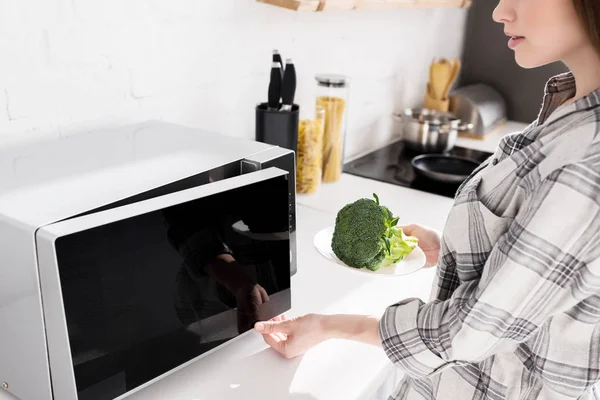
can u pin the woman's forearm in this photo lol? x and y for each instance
(359, 328)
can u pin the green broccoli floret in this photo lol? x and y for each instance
(365, 236)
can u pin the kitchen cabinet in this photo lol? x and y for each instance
(337, 5)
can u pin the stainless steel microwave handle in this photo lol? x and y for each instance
(63, 381)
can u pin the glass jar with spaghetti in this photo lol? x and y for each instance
(309, 161)
(332, 95)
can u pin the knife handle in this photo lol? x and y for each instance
(275, 86)
(288, 91)
(277, 58)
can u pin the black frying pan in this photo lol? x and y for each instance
(443, 167)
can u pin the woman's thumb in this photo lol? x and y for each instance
(272, 327)
(408, 229)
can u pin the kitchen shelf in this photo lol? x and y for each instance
(331, 5)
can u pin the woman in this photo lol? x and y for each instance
(517, 308)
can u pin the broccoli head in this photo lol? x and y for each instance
(365, 236)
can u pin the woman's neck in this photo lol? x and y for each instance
(585, 66)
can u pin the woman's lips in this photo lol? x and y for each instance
(514, 41)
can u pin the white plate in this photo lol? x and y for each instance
(411, 263)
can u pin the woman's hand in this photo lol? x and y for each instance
(295, 336)
(429, 241)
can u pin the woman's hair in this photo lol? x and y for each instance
(589, 14)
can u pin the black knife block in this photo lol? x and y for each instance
(279, 128)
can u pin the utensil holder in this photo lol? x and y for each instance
(436, 104)
(279, 128)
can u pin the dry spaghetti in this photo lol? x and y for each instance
(310, 155)
(333, 140)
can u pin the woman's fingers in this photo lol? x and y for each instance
(408, 229)
(280, 345)
(292, 337)
(273, 327)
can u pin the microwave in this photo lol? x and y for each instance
(127, 253)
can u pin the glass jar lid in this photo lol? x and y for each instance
(332, 80)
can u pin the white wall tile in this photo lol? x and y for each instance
(74, 64)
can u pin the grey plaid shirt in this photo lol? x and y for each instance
(516, 307)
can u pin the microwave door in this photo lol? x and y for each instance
(135, 292)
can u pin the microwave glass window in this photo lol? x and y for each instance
(145, 294)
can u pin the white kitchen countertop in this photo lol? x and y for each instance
(247, 369)
(490, 141)
(408, 204)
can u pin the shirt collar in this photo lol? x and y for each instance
(558, 89)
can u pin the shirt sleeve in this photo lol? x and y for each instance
(545, 264)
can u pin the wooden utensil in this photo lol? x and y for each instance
(455, 70)
(442, 72)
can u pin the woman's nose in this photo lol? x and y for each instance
(504, 12)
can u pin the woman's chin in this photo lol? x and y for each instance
(526, 64)
(529, 61)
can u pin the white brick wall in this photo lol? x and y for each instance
(67, 65)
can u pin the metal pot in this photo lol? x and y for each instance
(430, 131)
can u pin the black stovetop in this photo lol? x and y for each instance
(391, 164)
